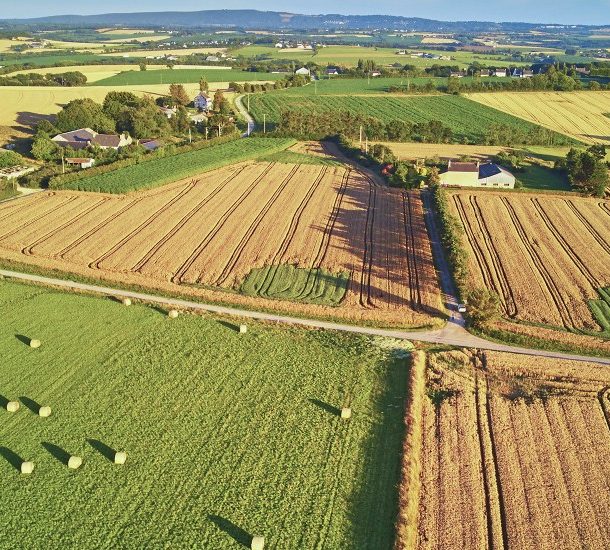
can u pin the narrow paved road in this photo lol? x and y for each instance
(244, 112)
(453, 334)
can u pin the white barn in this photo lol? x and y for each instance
(475, 174)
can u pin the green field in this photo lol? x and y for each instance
(57, 59)
(541, 178)
(227, 434)
(287, 282)
(467, 119)
(348, 56)
(162, 170)
(601, 309)
(184, 76)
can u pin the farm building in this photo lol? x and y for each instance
(83, 162)
(13, 172)
(202, 102)
(304, 71)
(475, 174)
(169, 112)
(332, 71)
(84, 137)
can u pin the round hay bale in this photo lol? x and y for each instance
(126, 301)
(243, 329)
(120, 457)
(12, 406)
(172, 314)
(75, 462)
(346, 413)
(44, 412)
(258, 542)
(27, 467)
(35, 344)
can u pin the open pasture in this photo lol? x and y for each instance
(514, 453)
(210, 231)
(227, 435)
(546, 257)
(576, 114)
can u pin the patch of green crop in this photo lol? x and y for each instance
(601, 308)
(184, 76)
(288, 282)
(227, 434)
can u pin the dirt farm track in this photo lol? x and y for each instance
(209, 232)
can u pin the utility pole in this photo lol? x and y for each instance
(361, 137)
(63, 166)
(190, 136)
(264, 123)
(206, 133)
(366, 145)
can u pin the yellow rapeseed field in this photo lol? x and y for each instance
(577, 114)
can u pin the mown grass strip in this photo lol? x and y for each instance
(163, 170)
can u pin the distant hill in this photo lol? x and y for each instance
(254, 19)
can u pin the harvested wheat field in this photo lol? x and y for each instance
(313, 234)
(576, 114)
(546, 257)
(513, 453)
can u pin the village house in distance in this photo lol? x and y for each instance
(475, 174)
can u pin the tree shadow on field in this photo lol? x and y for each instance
(326, 407)
(57, 452)
(34, 406)
(102, 448)
(23, 339)
(11, 457)
(237, 533)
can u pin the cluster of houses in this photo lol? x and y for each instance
(500, 73)
(424, 55)
(476, 174)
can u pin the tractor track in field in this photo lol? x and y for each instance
(28, 250)
(603, 397)
(95, 229)
(510, 305)
(184, 220)
(96, 264)
(412, 260)
(51, 210)
(290, 233)
(238, 251)
(187, 264)
(367, 258)
(562, 307)
(565, 245)
(326, 236)
(600, 240)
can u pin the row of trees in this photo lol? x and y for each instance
(70, 78)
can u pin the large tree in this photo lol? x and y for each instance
(179, 95)
(84, 113)
(587, 172)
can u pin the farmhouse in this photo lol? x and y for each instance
(202, 102)
(303, 71)
(83, 162)
(332, 71)
(475, 174)
(85, 137)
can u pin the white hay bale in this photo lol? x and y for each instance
(12, 406)
(75, 462)
(126, 301)
(243, 329)
(120, 457)
(44, 412)
(27, 467)
(258, 542)
(346, 413)
(35, 344)
(172, 314)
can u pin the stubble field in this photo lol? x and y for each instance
(576, 114)
(513, 453)
(329, 222)
(546, 257)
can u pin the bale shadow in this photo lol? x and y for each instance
(23, 339)
(237, 533)
(3, 401)
(102, 448)
(11, 457)
(57, 452)
(335, 411)
(232, 326)
(34, 406)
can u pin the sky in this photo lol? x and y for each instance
(592, 12)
